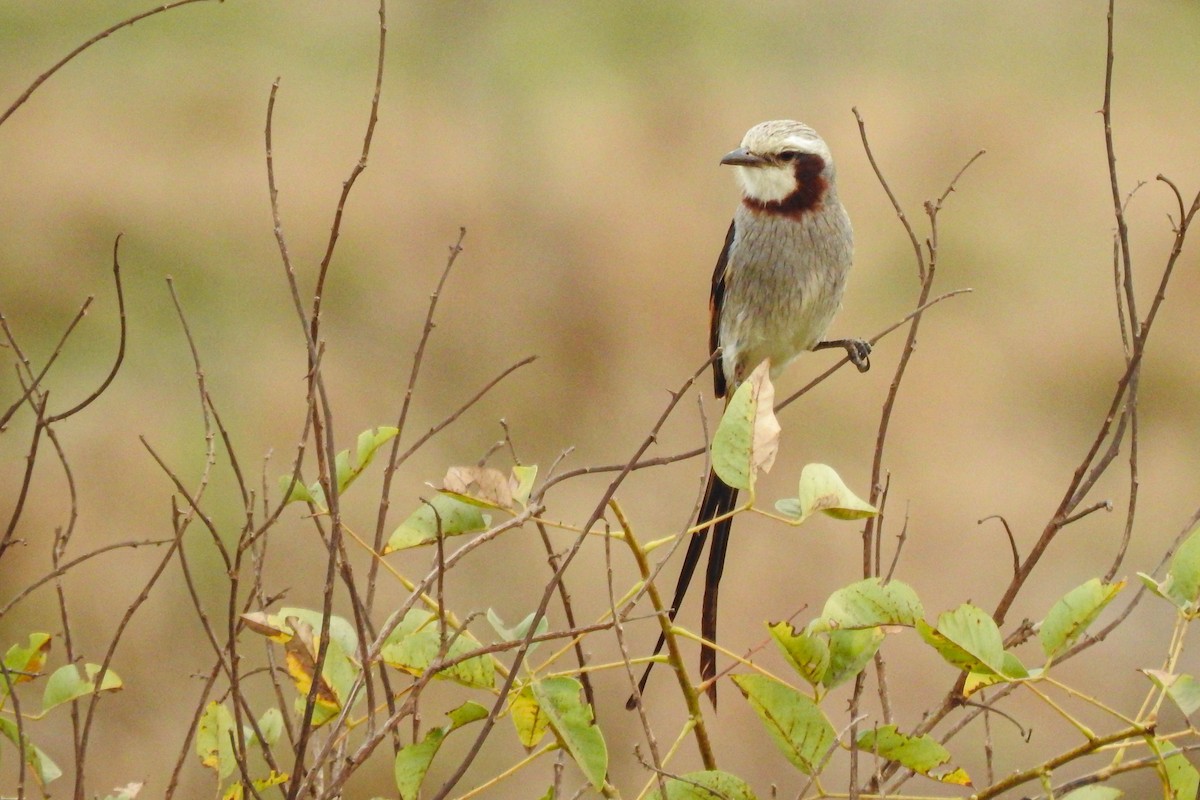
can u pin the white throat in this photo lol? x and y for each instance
(766, 184)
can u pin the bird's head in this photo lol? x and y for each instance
(783, 166)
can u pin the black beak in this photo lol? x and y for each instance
(743, 158)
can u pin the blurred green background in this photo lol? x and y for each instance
(578, 144)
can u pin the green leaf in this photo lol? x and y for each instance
(214, 743)
(1071, 615)
(1179, 777)
(967, 638)
(1182, 584)
(296, 492)
(340, 629)
(66, 684)
(1184, 690)
(799, 728)
(412, 762)
(415, 643)
(369, 442)
(808, 655)
(271, 725)
(849, 653)
(1095, 793)
(706, 785)
(41, 765)
(467, 713)
(421, 527)
(524, 478)
(822, 489)
(575, 725)
(870, 603)
(528, 718)
(921, 754)
(518, 632)
(747, 437)
(29, 660)
(1013, 669)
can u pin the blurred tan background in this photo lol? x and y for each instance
(578, 144)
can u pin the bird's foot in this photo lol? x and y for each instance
(857, 350)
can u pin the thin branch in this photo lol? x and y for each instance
(1078, 515)
(112, 373)
(920, 309)
(45, 76)
(552, 586)
(7, 541)
(63, 569)
(1012, 540)
(393, 461)
(36, 380)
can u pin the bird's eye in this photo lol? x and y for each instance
(788, 156)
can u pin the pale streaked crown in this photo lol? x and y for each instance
(770, 178)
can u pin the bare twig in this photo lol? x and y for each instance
(45, 76)
(63, 569)
(1012, 540)
(552, 586)
(112, 373)
(35, 380)
(393, 461)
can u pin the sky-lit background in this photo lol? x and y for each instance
(578, 143)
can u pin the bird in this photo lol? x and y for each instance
(777, 285)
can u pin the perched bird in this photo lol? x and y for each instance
(777, 285)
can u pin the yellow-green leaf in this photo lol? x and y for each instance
(1182, 584)
(412, 762)
(572, 720)
(808, 655)
(415, 643)
(1072, 614)
(527, 717)
(43, 768)
(25, 663)
(870, 603)
(271, 726)
(1184, 690)
(368, 443)
(66, 684)
(214, 744)
(523, 478)
(921, 754)
(706, 785)
(1179, 777)
(849, 652)
(442, 512)
(967, 638)
(1095, 793)
(796, 724)
(747, 437)
(822, 489)
(294, 491)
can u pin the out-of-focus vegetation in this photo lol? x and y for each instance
(578, 144)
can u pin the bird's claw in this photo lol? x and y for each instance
(857, 350)
(859, 353)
